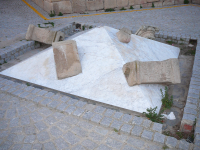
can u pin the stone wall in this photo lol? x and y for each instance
(81, 6)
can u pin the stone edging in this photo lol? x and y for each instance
(191, 110)
(10, 52)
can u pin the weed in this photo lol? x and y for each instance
(152, 5)
(27, 84)
(131, 7)
(180, 134)
(191, 52)
(165, 147)
(60, 14)
(153, 116)
(170, 42)
(52, 23)
(115, 130)
(52, 14)
(0, 64)
(90, 27)
(83, 28)
(36, 42)
(195, 122)
(167, 101)
(122, 8)
(182, 39)
(41, 27)
(181, 49)
(186, 1)
(167, 133)
(181, 43)
(140, 6)
(84, 13)
(110, 9)
(5, 61)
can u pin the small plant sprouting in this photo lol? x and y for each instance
(110, 9)
(180, 134)
(170, 42)
(131, 7)
(52, 23)
(167, 101)
(167, 133)
(186, 1)
(165, 147)
(140, 6)
(90, 27)
(52, 14)
(60, 14)
(83, 28)
(153, 116)
(115, 130)
(122, 8)
(152, 5)
(27, 84)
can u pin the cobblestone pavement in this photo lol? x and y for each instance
(24, 125)
(16, 16)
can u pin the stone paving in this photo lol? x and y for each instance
(25, 125)
(30, 121)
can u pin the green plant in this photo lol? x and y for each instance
(170, 42)
(131, 7)
(153, 116)
(5, 61)
(167, 101)
(140, 6)
(52, 14)
(110, 9)
(122, 8)
(182, 39)
(115, 130)
(83, 27)
(186, 1)
(167, 133)
(52, 23)
(41, 27)
(181, 43)
(153, 5)
(60, 14)
(180, 134)
(90, 27)
(27, 84)
(165, 147)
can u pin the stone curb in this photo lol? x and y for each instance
(11, 52)
(110, 118)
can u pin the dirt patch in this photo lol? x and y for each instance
(180, 92)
